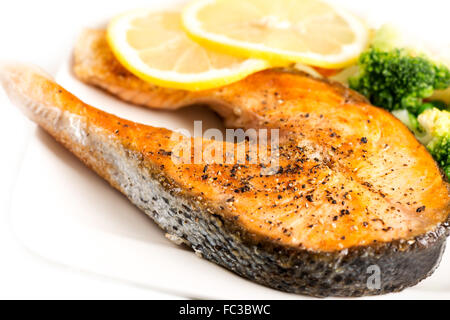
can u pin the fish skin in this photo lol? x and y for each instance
(248, 235)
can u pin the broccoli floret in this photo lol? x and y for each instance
(396, 77)
(436, 126)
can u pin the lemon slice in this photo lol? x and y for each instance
(305, 31)
(153, 46)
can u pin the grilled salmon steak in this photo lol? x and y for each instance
(353, 190)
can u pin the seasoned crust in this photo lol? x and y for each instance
(342, 273)
(328, 133)
(133, 158)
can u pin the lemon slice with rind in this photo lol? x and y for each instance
(306, 31)
(153, 46)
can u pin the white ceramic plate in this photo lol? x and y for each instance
(65, 213)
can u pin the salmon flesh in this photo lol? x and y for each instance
(353, 190)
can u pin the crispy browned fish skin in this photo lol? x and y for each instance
(337, 205)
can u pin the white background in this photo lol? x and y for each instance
(41, 32)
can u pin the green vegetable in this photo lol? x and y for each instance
(424, 107)
(395, 77)
(436, 137)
